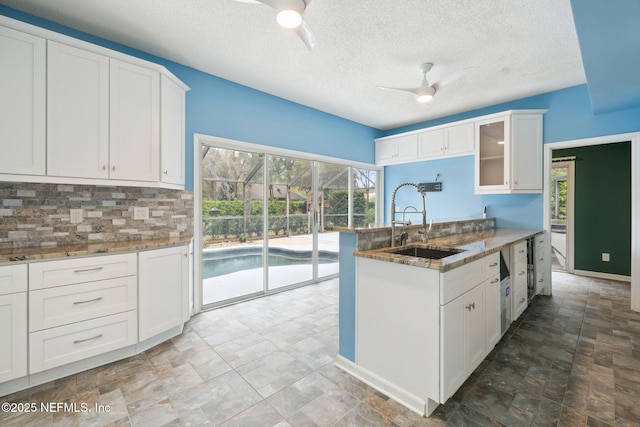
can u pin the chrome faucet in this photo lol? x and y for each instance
(403, 222)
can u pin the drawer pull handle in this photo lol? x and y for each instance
(541, 259)
(87, 301)
(88, 270)
(493, 265)
(541, 280)
(471, 306)
(87, 339)
(521, 273)
(495, 280)
(522, 300)
(521, 251)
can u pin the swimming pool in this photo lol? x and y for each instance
(230, 260)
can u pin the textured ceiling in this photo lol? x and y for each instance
(516, 48)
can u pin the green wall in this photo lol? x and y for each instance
(602, 207)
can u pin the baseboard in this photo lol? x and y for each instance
(605, 276)
(396, 393)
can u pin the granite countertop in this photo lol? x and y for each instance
(474, 246)
(36, 254)
(373, 227)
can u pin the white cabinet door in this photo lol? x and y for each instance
(172, 132)
(22, 103)
(397, 149)
(527, 152)
(460, 140)
(134, 122)
(13, 335)
(492, 154)
(431, 144)
(463, 342)
(163, 292)
(493, 332)
(77, 112)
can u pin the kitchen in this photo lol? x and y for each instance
(209, 113)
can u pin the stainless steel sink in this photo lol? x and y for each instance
(426, 252)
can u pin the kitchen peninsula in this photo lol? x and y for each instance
(415, 328)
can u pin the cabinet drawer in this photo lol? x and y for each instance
(66, 344)
(455, 282)
(519, 302)
(519, 277)
(520, 251)
(491, 265)
(13, 278)
(79, 270)
(62, 305)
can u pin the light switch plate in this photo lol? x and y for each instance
(141, 213)
(75, 216)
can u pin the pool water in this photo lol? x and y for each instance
(233, 260)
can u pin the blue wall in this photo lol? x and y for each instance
(219, 107)
(569, 117)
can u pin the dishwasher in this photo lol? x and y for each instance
(505, 296)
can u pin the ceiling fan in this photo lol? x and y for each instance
(426, 91)
(290, 15)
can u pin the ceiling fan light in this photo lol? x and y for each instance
(423, 99)
(289, 18)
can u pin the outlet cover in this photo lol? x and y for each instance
(141, 213)
(605, 257)
(75, 216)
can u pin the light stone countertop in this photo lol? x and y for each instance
(87, 249)
(474, 246)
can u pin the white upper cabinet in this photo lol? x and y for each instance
(396, 149)
(509, 153)
(75, 113)
(446, 141)
(22, 104)
(78, 112)
(172, 132)
(134, 122)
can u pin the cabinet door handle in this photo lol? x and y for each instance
(541, 280)
(541, 259)
(88, 301)
(471, 306)
(493, 265)
(495, 280)
(521, 273)
(522, 300)
(113, 168)
(166, 172)
(521, 251)
(88, 270)
(104, 167)
(88, 339)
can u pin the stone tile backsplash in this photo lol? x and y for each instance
(39, 215)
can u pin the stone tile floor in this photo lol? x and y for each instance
(570, 360)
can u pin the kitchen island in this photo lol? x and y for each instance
(415, 328)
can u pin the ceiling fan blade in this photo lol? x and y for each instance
(305, 33)
(410, 90)
(451, 78)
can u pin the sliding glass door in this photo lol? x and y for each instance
(291, 222)
(266, 220)
(232, 225)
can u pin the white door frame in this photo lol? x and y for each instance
(635, 200)
(569, 165)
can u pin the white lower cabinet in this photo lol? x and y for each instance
(13, 322)
(421, 333)
(63, 316)
(462, 339)
(79, 308)
(163, 282)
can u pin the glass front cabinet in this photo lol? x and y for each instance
(508, 157)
